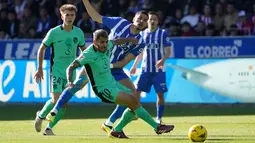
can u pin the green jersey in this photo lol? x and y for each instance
(97, 65)
(64, 47)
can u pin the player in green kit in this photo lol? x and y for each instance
(64, 40)
(96, 60)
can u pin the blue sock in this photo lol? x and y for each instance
(67, 94)
(63, 99)
(160, 111)
(116, 114)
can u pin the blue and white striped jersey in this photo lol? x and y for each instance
(155, 49)
(120, 28)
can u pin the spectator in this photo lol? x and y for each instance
(233, 30)
(4, 20)
(231, 16)
(23, 34)
(32, 34)
(243, 24)
(29, 19)
(223, 31)
(34, 6)
(187, 30)
(56, 18)
(161, 17)
(133, 7)
(192, 18)
(200, 29)
(147, 5)
(3, 5)
(210, 30)
(3, 35)
(218, 19)
(13, 24)
(252, 20)
(44, 22)
(19, 7)
(206, 17)
(86, 24)
(170, 16)
(175, 19)
(174, 30)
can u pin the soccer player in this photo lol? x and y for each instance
(120, 27)
(64, 40)
(96, 60)
(156, 52)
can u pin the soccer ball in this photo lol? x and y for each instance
(197, 133)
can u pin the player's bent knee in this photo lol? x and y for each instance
(134, 104)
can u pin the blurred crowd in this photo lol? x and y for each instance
(31, 19)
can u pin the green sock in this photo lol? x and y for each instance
(59, 116)
(143, 114)
(46, 109)
(126, 118)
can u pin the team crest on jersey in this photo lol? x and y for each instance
(75, 40)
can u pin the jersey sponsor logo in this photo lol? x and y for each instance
(75, 40)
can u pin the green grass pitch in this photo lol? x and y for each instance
(231, 123)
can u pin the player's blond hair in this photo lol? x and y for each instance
(68, 7)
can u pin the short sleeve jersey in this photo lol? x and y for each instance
(97, 65)
(120, 28)
(155, 49)
(64, 46)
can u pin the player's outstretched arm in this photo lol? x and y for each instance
(121, 41)
(92, 12)
(135, 64)
(69, 71)
(124, 62)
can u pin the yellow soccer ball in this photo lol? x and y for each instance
(197, 133)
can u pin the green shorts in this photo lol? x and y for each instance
(109, 94)
(58, 82)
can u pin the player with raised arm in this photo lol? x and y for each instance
(120, 27)
(155, 53)
(96, 60)
(64, 40)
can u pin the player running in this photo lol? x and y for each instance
(96, 60)
(156, 52)
(64, 40)
(120, 27)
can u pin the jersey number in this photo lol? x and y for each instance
(68, 50)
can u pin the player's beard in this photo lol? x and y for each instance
(102, 49)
